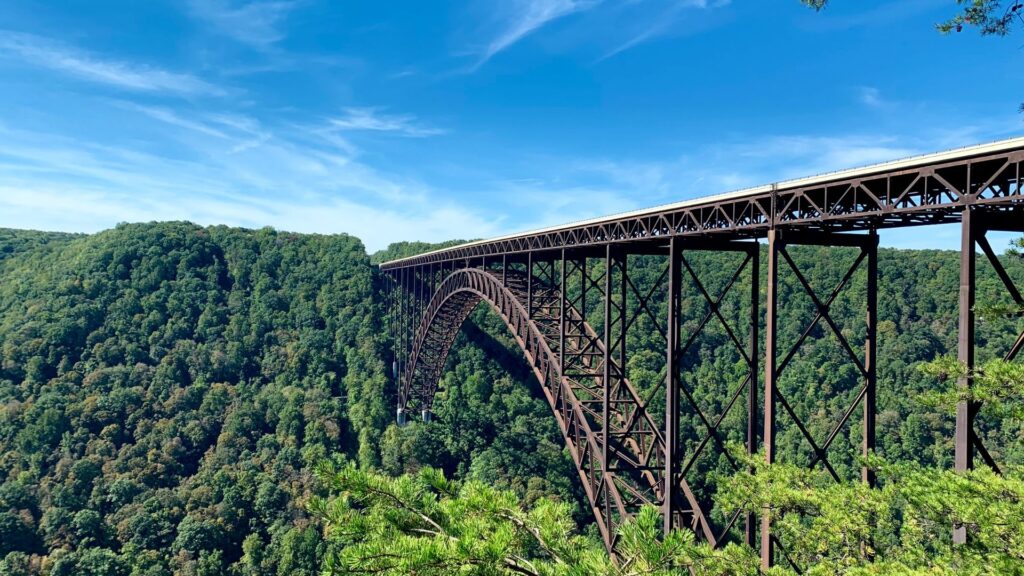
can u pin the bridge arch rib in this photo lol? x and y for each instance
(614, 491)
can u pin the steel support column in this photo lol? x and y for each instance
(529, 285)
(966, 410)
(775, 367)
(771, 380)
(975, 224)
(561, 318)
(681, 502)
(750, 527)
(606, 363)
(870, 361)
(671, 496)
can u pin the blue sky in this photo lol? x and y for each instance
(429, 120)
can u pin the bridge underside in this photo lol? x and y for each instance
(596, 310)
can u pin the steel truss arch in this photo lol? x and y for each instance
(453, 301)
(618, 463)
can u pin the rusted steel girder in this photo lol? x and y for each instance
(776, 362)
(977, 222)
(926, 190)
(679, 462)
(610, 496)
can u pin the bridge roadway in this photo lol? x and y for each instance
(549, 285)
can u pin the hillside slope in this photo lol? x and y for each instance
(166, 389)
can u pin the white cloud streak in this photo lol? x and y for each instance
(622, 24)
(615, 186)
(870, 96)
(258, 24)
(525, 17)
(665, 22)
(292, 181)
(46, 53)
(243, 133)
(373, 120)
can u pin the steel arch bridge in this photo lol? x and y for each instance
(569, 299)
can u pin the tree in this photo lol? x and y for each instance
(429, 525)
(990, 17)
(16, 535)
(903, 527)
(164, 387)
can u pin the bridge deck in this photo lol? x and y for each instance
(929, 189)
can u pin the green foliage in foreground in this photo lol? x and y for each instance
(997, 384)
(427, 524)
(902, 527)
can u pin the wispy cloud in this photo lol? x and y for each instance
(292, 181)
(374, 120)
(550, 202)
(665, 21)
(526, 16)
(258, 24)
(46, 53)
(792, 156)
(621, 24)
(870, 96)
(583, 186)
(168, 116)
(240, 132)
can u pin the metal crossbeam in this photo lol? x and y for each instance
(748, 353)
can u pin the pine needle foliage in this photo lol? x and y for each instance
(426, 524)
(997, 384)
(989, 17)
(902, 527)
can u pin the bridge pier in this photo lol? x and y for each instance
(976, 223)
(677, 505)
(775, 365)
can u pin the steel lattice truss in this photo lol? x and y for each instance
(569, 299)
(873, 198)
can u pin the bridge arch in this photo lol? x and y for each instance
(614, 492)
(452, 302)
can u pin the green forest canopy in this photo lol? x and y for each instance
(167, 389)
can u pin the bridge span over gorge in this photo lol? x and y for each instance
(567, 295)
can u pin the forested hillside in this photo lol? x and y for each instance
(166, 389)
